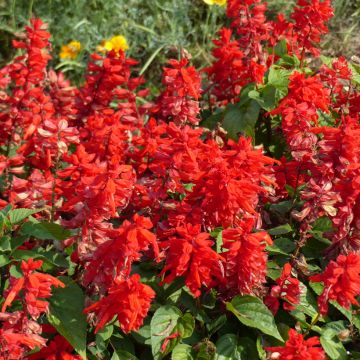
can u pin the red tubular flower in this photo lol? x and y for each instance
(190, 255)
(35, 286)
(57, 349)
(341, 280)
(287, 288)
(179, 101)
(13, 345)
(246, 259)
(114, 258)
(129, 300)
(297, 348)
(310, 17)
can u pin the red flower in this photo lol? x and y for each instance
(190, 255)
(13, 344)
(246, 259)
(35, 286)
(183, 84)
(129, 300)
(297, 348)
(114, 258)
(341, 282)
(57, 349)
(287, 288)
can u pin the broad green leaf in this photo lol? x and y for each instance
(230, 347)
(186, 325)
(4, 260)
(252, 312)
(308, 304)
(45, 231)
(279, 78)
(18, 215)
(162, 325)
(5, 244)
(280, 230)
(66, 314)
(211, 121)
(280, 48)
(281, 246)
(241, 119)
(51, 256)
(282, 207)
(123, 355)
(182, 352)
(332, 345)
(103, 335)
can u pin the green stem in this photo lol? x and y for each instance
(316, 319)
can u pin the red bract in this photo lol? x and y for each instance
(179, 102)
(341, 280)
(246, 259)
(35, 286)
(14, 345)
(310, 17)
(190, 255)
(128, 299)
(113, 259)
(227, 71)
(287, 288)
(297, 348)
(57, 349)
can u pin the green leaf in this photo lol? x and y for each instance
(162, 325)
(332, 345)
(5, 244)
(51, 256)
(281, 246)
(252, 312)
(45, 231)
(280, 48)
(66, 314)
(241, 119)
(211, 121)
(186, 325)
(4, 260)
(182, 352)
(18, 215)
(279, 78)
(307, 304)
(280, 230)
(123, 355)
(260, 349)
(230, 347)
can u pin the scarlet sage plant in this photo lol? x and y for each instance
(218, 220)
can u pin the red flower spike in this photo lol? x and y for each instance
(34, 285)
(297, 348)
(341, 280)
(129, 300)
(190, 255)
(57, 349)
(287, 288)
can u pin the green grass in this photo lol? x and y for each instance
(155, 30)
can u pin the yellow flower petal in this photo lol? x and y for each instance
(70, 51)
(215, 2)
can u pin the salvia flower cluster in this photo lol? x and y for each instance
(220, 219)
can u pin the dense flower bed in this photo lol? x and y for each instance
(220, 220)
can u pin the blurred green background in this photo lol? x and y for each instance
(155, 29)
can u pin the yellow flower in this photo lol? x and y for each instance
(71, 50)
(116, 43)
(215, 2)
